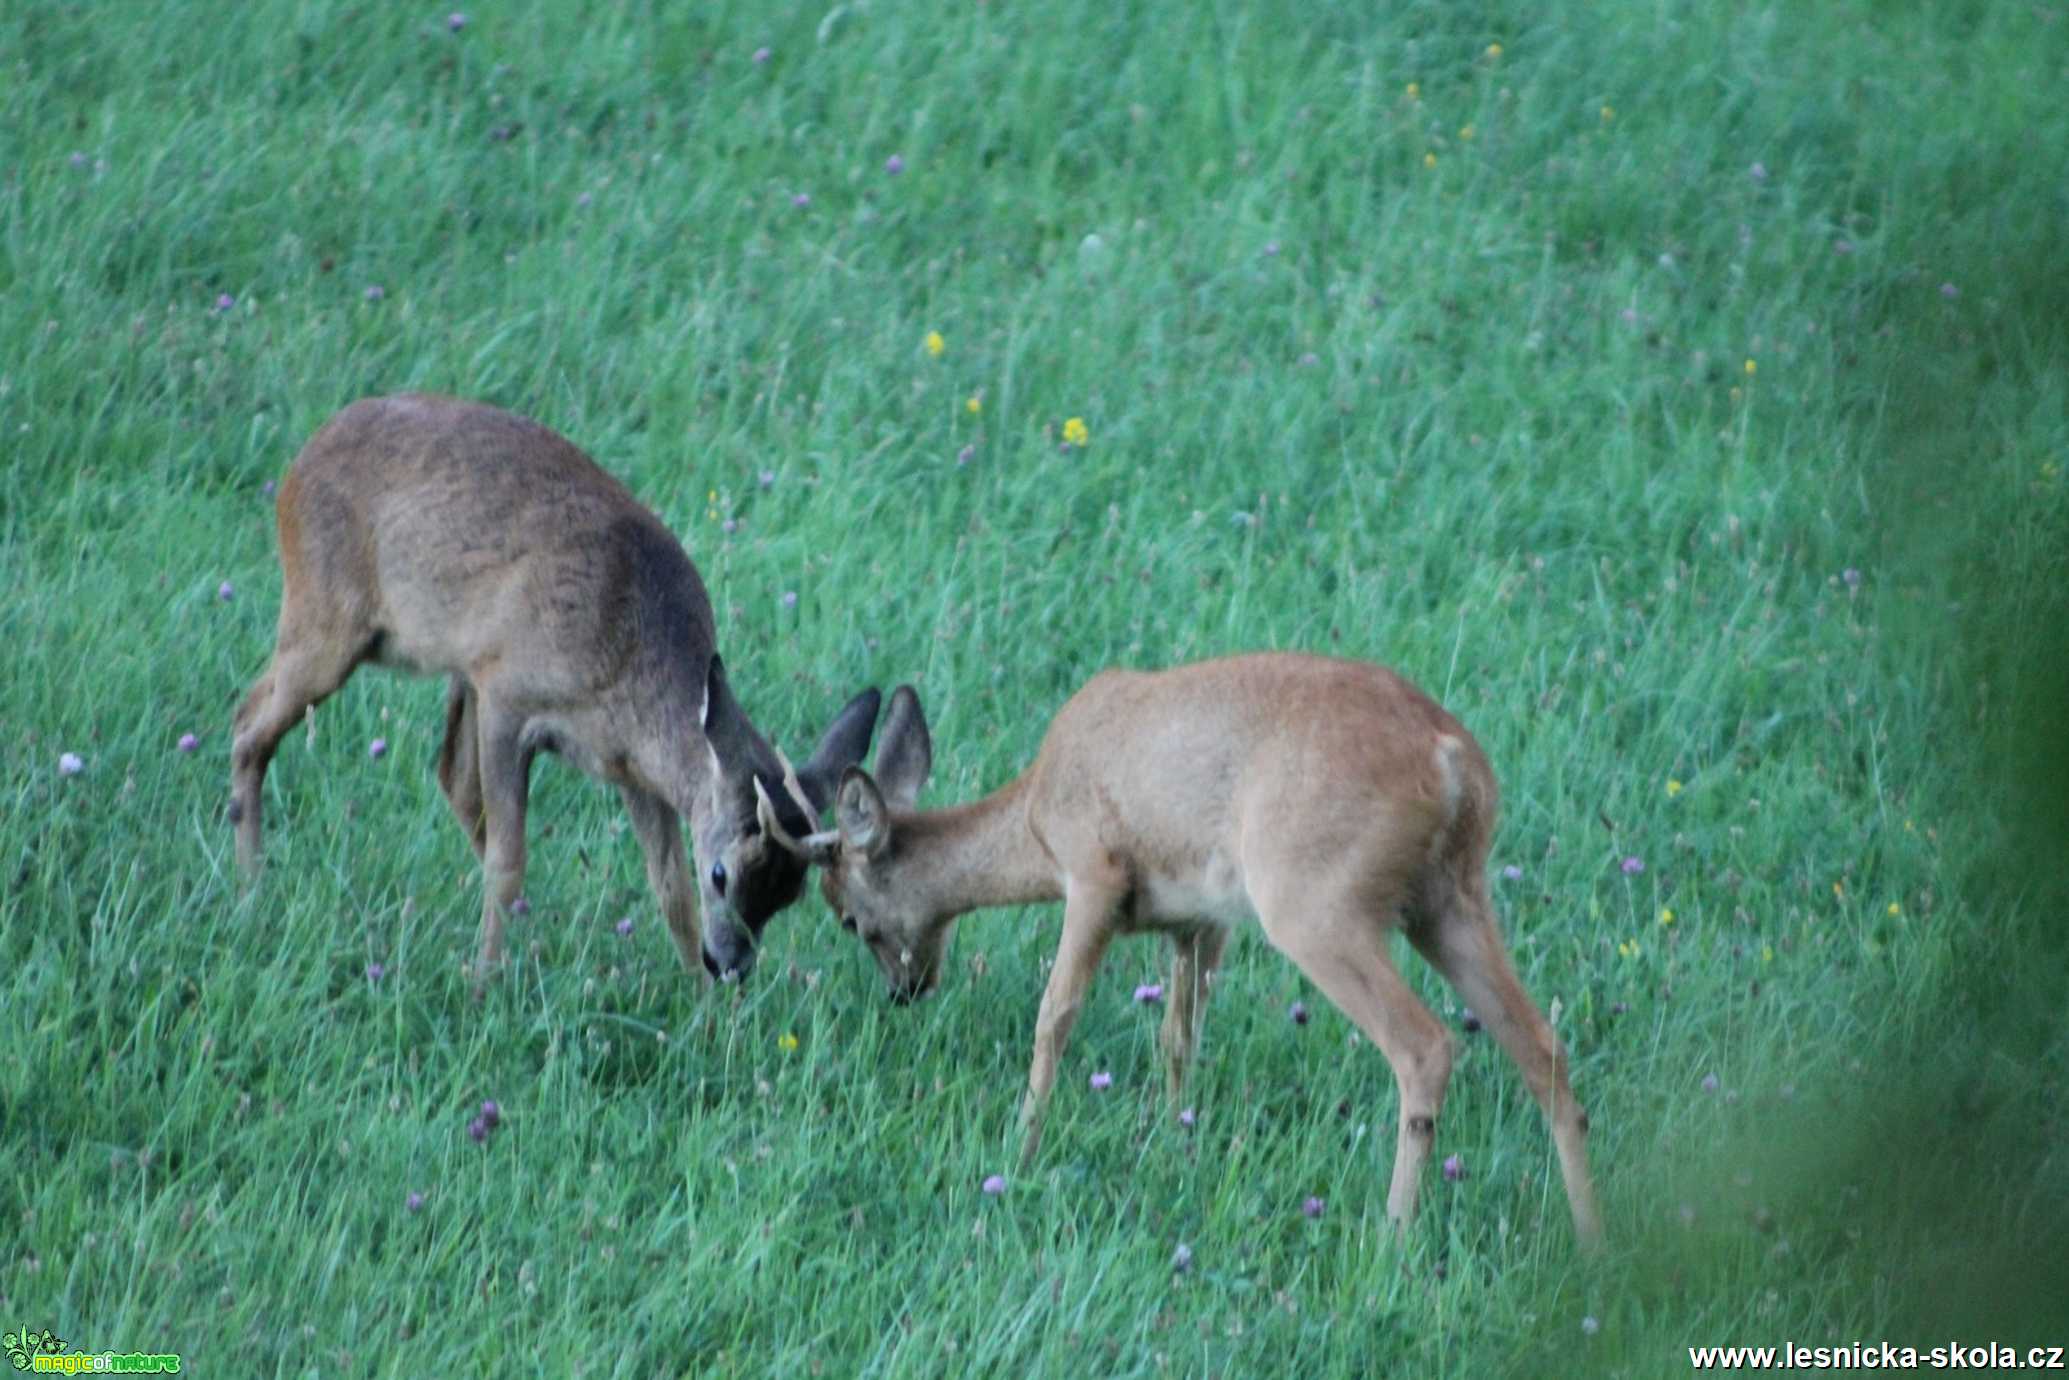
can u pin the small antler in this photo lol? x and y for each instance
(816, 847)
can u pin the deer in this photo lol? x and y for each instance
(446, 537)
(1329, 801)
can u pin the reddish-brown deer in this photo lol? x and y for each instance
(1329, 800)
(453, 538)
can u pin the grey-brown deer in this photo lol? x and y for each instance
(1329, 800)
(454, 538)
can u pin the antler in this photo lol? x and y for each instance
(816, 847)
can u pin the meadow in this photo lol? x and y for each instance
(1676, 391)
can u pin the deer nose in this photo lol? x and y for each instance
(728, 972)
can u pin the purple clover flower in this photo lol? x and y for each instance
(994, 1185)
(1149, 993)
(894, 165)
(1312, 1207)
(1101, 1081)
(1454, 1168)
(1632, 865)
(188, 742)
(377, 749)
(1297, 1013)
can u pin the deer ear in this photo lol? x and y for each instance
(843, 745)
(905, 754)
(864, 818)
(725, 725)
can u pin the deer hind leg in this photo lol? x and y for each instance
(1194, 957)
(505, 766)
(1343, 950)
(459, 765)
(1461, 940)
(307, 666)
(1087, 913)
(660, 838)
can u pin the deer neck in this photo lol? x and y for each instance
(981, 854)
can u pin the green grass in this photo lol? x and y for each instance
(1578, 419)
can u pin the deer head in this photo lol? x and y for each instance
(880, 886)
(759, 807)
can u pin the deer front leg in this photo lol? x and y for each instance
(505, 783)
(660, 837)
(1194, 957)
(459, 769)
(1087, 910)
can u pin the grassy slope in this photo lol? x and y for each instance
(1524, 382)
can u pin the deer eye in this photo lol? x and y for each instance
(718, 878)
(848, 923)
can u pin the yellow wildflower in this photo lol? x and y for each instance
(974, 406)
(1075, 433)
(787, 1043)
(1767, 953)
(1608, 113)
(1415, 91)
(1628, 948)
(1839, 890)
(1465, 134)
(1895, 910)
(1494, 52)
(1429, 160)
(1666, 915)
(1673, 788)
(1752, 368)
(935, 344)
